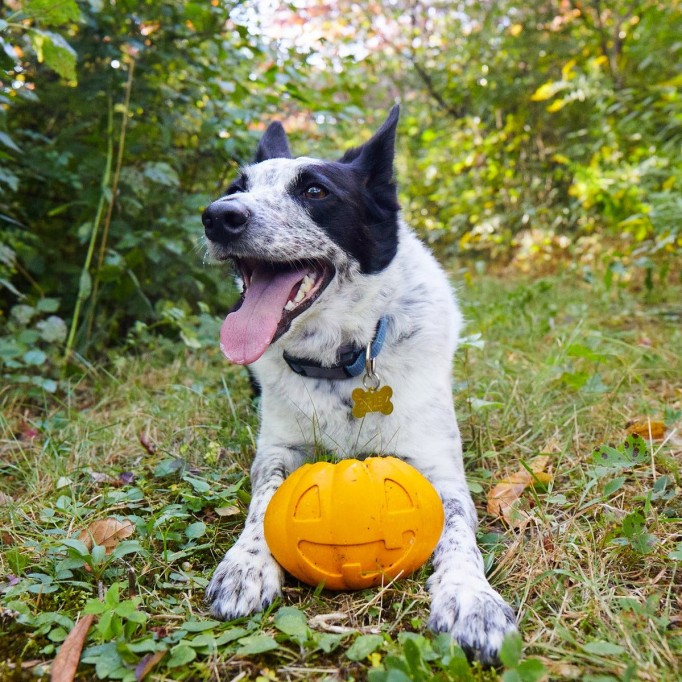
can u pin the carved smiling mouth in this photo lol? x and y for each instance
(274, 294)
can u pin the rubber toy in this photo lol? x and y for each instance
(353, 524)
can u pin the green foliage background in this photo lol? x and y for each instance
(548, 126)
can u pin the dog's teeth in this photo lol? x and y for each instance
(306, 285)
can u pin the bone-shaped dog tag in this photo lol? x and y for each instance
(372, 400)
(374, 397)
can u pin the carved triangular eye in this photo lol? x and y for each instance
(397, 498)
(308, 506)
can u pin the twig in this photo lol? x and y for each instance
(324, 622)
(84, 283)
(112, 200)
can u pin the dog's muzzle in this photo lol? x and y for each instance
(225, 220)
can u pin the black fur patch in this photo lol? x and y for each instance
(360, 212)
(273, 144)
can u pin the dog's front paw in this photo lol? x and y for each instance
(246, 581)
(474, 614)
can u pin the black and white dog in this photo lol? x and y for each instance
(338, 290)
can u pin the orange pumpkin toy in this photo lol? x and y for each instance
(353, 524)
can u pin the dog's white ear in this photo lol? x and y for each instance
(374, 158)
(273, 144)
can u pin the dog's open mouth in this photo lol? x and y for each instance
(274, 294)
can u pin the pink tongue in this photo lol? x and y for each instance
(246, 333)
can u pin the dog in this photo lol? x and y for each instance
(337, 292)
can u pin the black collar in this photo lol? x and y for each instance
(351, 362)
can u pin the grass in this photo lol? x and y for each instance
(164, 438)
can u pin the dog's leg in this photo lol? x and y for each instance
(462, 601)
(248, 578)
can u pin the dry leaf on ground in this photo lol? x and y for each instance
(102, 479)
(647, 429)
(232, 510)
(106, 533)
(144, 667)
(327, 622)
(146, 443)
(66, 661)
(502, 498)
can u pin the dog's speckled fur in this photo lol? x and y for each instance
(382, 269)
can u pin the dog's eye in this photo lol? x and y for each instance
(315, 192)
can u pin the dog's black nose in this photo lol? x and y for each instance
(225, 219)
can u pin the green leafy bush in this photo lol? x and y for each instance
(522, 124)
(107, 161)
(31, 346)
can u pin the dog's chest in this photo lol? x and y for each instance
(318, 414)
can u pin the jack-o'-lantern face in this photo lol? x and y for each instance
(353, 524)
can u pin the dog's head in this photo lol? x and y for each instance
(293, 225)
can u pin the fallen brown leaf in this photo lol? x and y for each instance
(66, 661)
(647, 429)
(145, 666)
(8, 614)
(146, 443)
(28, 432)
(503, 497)
(103, 479)
(563, 670)
(160, 631)
(106, 533)
(232, 510)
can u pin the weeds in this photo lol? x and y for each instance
(164, 443)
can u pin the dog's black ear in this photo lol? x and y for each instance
(273, 144)
(374, 158)
(372, 163)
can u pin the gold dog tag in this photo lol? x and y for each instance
(372, 400)
(374, 397)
